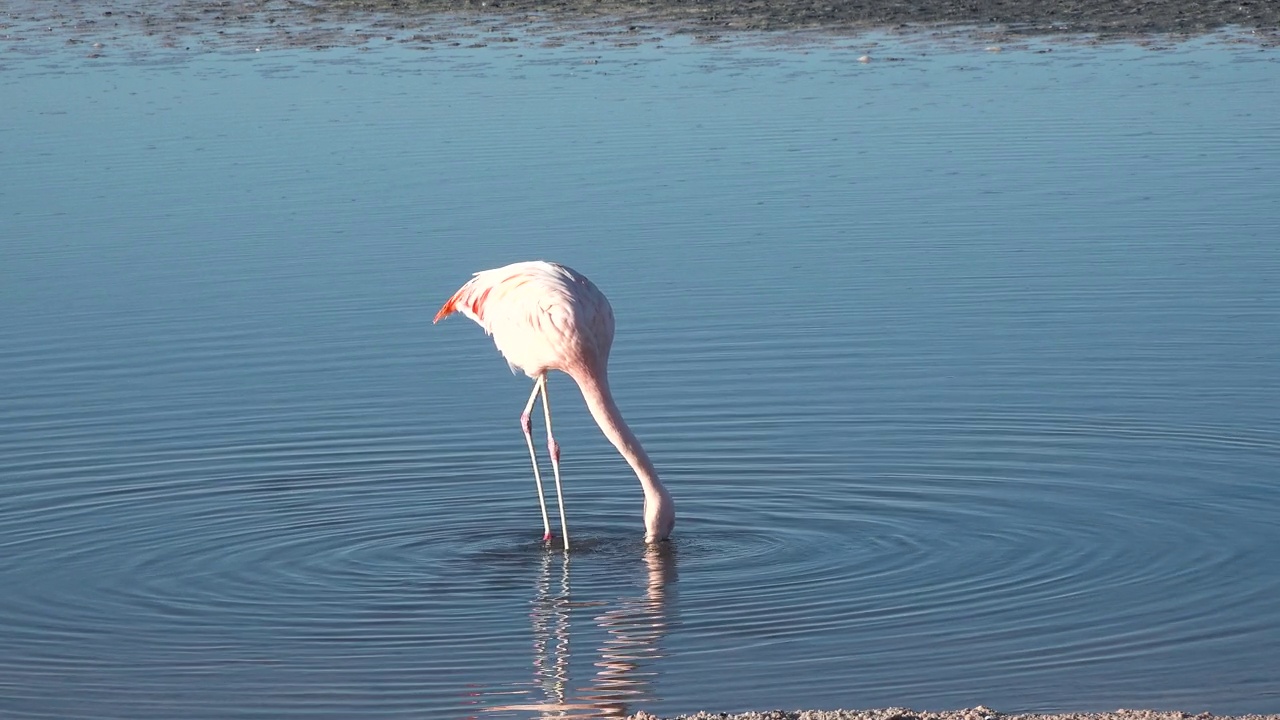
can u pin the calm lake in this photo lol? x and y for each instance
(962, 366)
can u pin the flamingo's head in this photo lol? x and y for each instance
(659, 517)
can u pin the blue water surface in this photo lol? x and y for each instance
(963, 368)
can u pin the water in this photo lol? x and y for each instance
(963, 368)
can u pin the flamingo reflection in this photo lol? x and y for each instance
(633, 626)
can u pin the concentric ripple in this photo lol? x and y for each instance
(1032, 545)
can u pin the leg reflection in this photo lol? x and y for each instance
(550, 617)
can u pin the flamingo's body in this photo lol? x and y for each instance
(543, 317)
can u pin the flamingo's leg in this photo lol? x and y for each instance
(554, 448)
(526, 424)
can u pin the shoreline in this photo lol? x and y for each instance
(976, 713)
(202, 25)
(1028, 17)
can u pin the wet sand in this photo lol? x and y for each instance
(977, 713)
(259, 24)
(1027, 16)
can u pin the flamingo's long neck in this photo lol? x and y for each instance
(659, 508)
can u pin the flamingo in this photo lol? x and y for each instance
(544, 317)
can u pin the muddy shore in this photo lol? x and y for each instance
(254, 24)
(977, 713)
(1027, 16)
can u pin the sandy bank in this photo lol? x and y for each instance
(977, 713)
(251, 24)
(1026, 16)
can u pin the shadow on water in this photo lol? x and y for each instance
(633, 625)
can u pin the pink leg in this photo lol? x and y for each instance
(527, 425)
(554, 448)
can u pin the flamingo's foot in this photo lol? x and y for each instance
(548, 537)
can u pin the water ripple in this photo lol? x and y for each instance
(954, 412)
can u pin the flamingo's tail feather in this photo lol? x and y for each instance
(449, 307)
(469, 300)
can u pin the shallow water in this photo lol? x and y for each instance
(964, 369)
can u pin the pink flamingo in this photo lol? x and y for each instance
(545, 316)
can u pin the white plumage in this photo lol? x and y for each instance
(543, 317)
